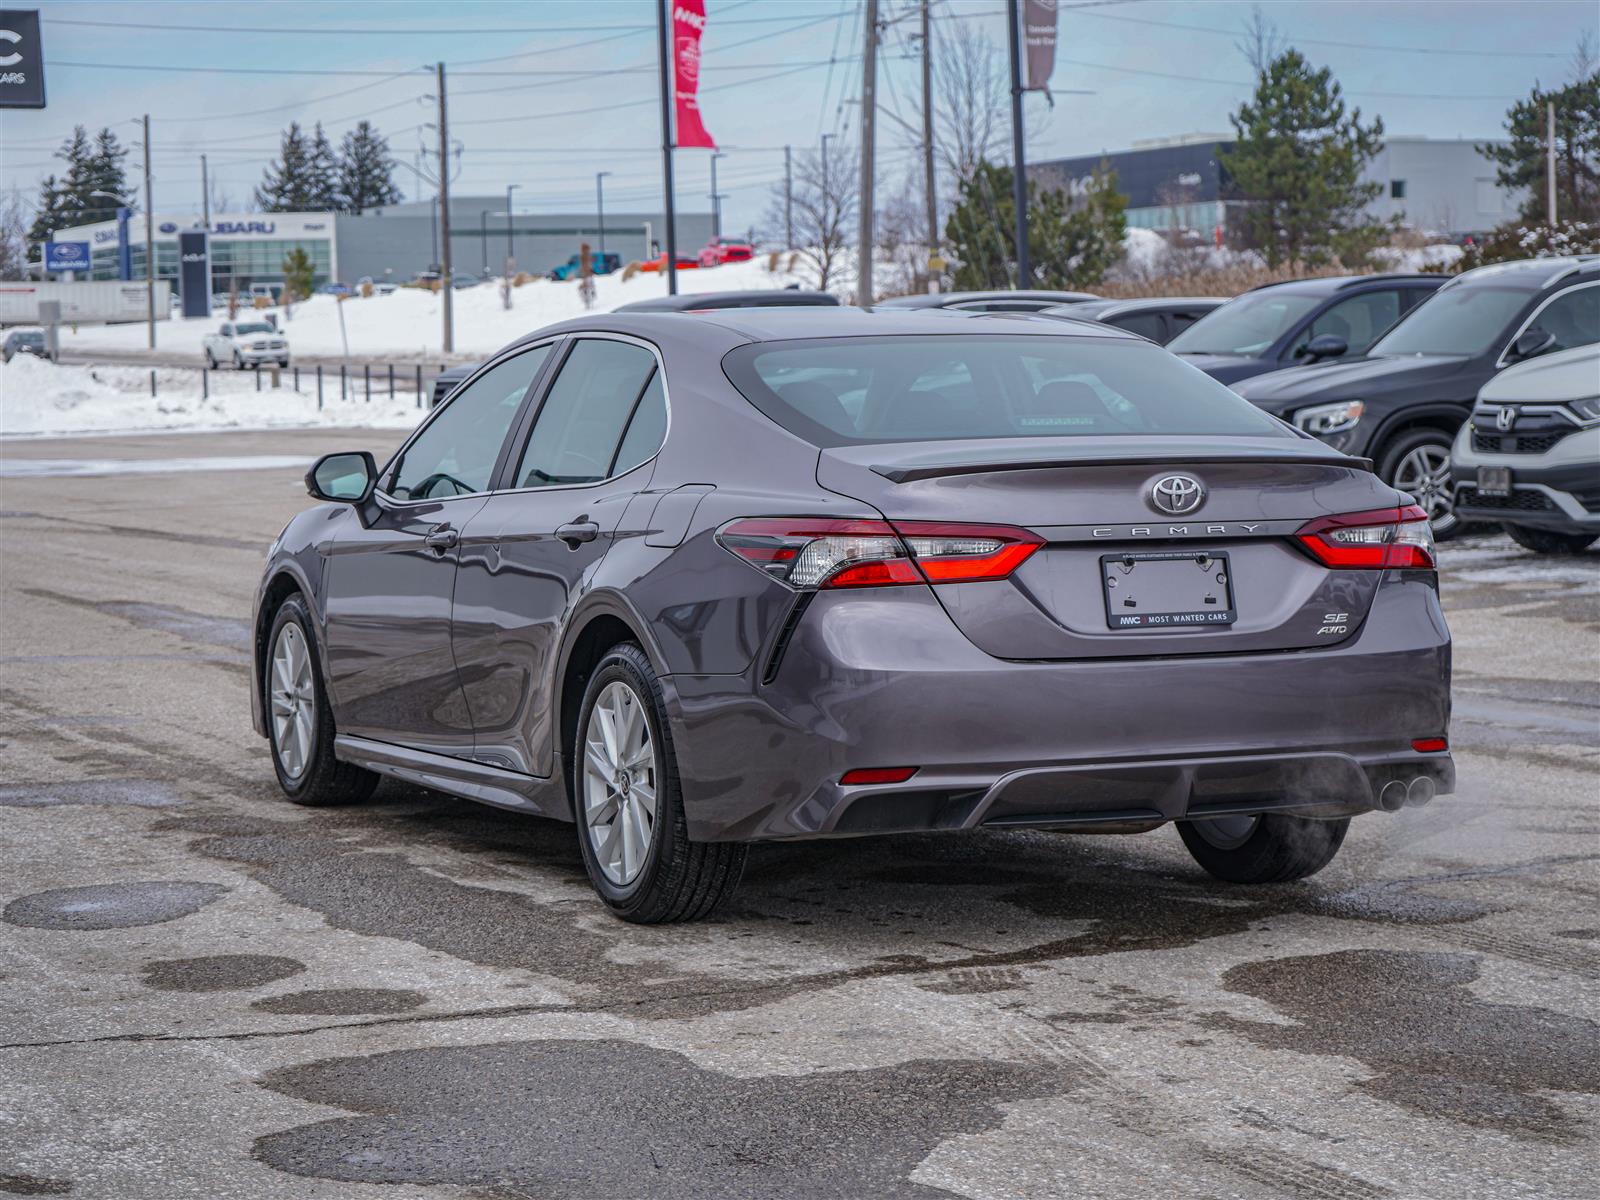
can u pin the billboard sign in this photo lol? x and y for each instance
(21, 59)
(66, 256)
(194, 274)
(1039, 32)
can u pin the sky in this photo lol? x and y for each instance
(545, 93)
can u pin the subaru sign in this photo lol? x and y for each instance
(194, 274)
(21, 59)
(66, 256)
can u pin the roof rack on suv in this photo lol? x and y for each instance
(1560, 267)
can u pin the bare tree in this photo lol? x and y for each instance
(219, 199)
(972, 119)
(1262, 40)
(1584, 56)
(824, 206)
(13, 237)
(902, 233)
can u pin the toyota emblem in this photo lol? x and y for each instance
(1175, 495)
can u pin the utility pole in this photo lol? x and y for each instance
(716, 199)
(788, 198)
(869, 112)
(511, 249)
(927, 149)
(666, 144)
(205, 195)
(600, 211)
(149, 239)
(1550, 162)
(447, 283)
(1019, 166)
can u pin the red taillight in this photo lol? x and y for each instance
(877, 775)
(1429, 745)
(1378, 538)
(831, 552)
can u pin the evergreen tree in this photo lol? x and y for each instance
(1071, 244)
(366, 172)
(105, 174)
(47, 219)
(323, 185)
(69, 199)
(1298, 160)
(298, 275)
(1521, 163)
(292, 184)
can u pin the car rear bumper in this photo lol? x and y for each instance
(887, 680)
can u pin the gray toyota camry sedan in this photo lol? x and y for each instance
(696, 580)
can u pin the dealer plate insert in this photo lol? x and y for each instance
(1167, 589)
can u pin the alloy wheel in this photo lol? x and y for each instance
(620, 781)
(1227, 833)
(1425, 473)
(293, 700)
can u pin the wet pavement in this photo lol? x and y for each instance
(206, 992)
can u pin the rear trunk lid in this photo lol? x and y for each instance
(1117, 576)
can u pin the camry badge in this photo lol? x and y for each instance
(1505, 419)
(1177, 494)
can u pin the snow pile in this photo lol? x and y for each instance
(39, 398)
(407, 325)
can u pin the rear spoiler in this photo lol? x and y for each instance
(979, 466)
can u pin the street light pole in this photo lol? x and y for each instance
(716, 200)
(1019, 169)
(600, 210)
(663, 67)
(869, 112)
(511, 249)
(149, 239)
(449, 339)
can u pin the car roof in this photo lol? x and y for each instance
(1534, 274)
(1327, 285)
(767, 298)
(1096, 309)
(944, 299)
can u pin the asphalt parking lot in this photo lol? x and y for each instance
(206, 992)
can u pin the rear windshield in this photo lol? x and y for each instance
(849, 391)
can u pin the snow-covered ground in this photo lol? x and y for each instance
(407, 325)
(39, 398)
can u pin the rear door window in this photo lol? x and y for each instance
(1358, 321)
(1149, 325)
(1572, 318)
(580, 426)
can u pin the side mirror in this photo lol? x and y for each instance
(1324, 345)
(344, 478)
(1532, 341)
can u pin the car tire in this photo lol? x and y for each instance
(1267, 848)
(670, 878)
(302, 743)
(1418, 461)
(1548, 541)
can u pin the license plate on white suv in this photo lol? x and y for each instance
(1494, 481)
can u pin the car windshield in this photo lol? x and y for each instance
(1247, 326)
(1459, 321)
(852, 391)
(255, 327)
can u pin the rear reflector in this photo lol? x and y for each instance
(828, 552)
(1429, 745)
(1378, 538)
(877, 775)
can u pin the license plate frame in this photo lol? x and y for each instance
(1159, 599)
(1494, 481)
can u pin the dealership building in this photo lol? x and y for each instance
(395, 243)
(1436, 185)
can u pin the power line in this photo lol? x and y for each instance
(332, 31)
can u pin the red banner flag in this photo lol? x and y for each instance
(688, 23)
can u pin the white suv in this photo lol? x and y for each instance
(1530, 456)
(246, 344)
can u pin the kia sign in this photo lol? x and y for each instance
(21, 59)
(194, 274)
(66, 256)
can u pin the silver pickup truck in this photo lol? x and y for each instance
(245, 344)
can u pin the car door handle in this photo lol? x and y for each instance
(441, 537)
(575, 532)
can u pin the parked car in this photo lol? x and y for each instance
(708, 301)
(1160, 318)
(245, 344)
(685, 263)
(1402, 403)
(448, 380)
(385, 288)
(599, 264)
(879, 572)
(25, 341)
(266, 291)
(1002, 301)
(725, 250)
(1529, 457)
(1309, 320)
(336, 289)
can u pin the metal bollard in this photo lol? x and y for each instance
(419, 385)
(152, 382)
(258, 377)
(391, 381)
(277, 381)
(344, 393)
(319, 387)
(366, 374)
(297, 379)
(205, 384)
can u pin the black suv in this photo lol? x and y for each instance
(1402, 403)
(1309, 320)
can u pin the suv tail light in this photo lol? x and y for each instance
(807, 552)
(1380, 537)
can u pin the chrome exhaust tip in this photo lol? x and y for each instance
(1393, 796)
(1421, 790)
